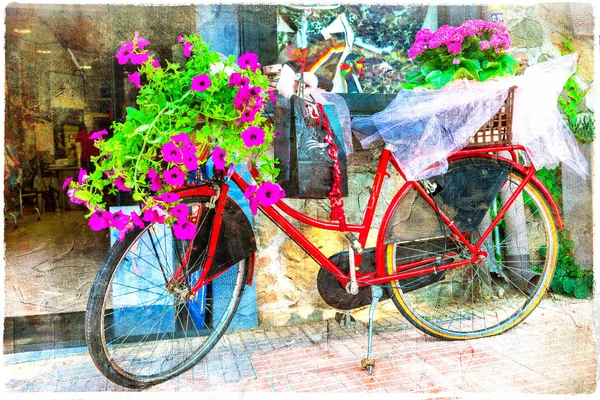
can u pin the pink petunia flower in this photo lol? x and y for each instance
(171, 153)
(277, 134)
(253, 136)
(269, 193)
(189, 159)
(136, 220)
(98, 135)
(174, 176)
(120, 184)
(187, 49)
(168, 197)
(155, 182)
(83, 176)
(182, 138)
(180, 38)
(71, 195)
(184, 230)
(140, 42)
(155, 214)
(248, 60)
(155, 63)
(67, 182)
(200, 83)
(135, 79)
(139, 59)
(180, 211)
(99, 220)
(272, 96)
(118, 220)
(218, 158)
(123, 54)
(248, 115)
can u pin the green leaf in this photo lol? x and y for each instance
(581, 291)
(438, 78)
(569, 285)
(428, 67)
(137, 196)
(488, 73)
(464, 73)
(83, 195)
(142, 128)
(509, 64)
(135, 114)
(410, 75)
(472, 66)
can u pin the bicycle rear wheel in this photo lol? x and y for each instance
(479, 300)
(141, 331)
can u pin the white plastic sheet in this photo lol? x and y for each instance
(423, 127)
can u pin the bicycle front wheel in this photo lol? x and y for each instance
(142, 331)
(479, 300)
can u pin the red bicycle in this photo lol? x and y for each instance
(463, 255)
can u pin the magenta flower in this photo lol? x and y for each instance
(138, 59)
(254, 90)
(184, 230)
(182, 138)
(155, 214)
(484, 45)
(180, 211)
(155, 63)
(200, 83)
(272, 96)
(171, 153)
(190, 160)
(248, 60)
(269, 193)
(456, 61)
(277, 134)
(83, 176)
(174, 176)
(253, 136)
(136, 220)
(140, 42)
(187, 49)
(74, 200)
(118, 220)
(124, 52)
(180, 38)
(155, 182)
(120, 184)
(218, 158)
(99, 220)
(168, 197)
(135, 79)
(99, 134)
(67, 182)
(234, 79)
(250, 194)
(248, 115)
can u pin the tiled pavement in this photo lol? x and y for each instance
(552, 352)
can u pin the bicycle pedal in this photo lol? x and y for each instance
(345, 320)
(365, 363)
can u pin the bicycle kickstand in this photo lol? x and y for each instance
(369, 363)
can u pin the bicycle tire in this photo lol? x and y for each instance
(502, 292)
(173, 323)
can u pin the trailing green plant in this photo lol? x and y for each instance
(473, 50)
(569, 102)
(569, 278)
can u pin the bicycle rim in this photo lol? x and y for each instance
(479, 300)
(143, 331)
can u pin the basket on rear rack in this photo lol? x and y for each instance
(498, 130)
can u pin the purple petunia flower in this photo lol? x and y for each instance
(168, 197)
(250, 194)
(248, 115)
(155, 182)
(155, 214)
(171, 153)
(83, 176)
(140, 42)
(269, 193)
(99, 220)
(248, 60)
(99, 134)
(135, 79)
(174, 176)
(120, 184)
(180, 38)
(277, 134)
(218, 158)
(189, 159)
(184, 230)
(139, 59)
(67, 182)
(253, 136)
(200, 83)
(180, 211)
(124, 52)
(187, 49)
(136, 220)
(118, 220)
(254, 90)
(272, 96)
(155, 63)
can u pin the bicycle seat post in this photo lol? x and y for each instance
(369, 363)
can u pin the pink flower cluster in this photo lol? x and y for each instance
(179, 150)
(265, 195)
(248, 99)
(135, 53)
(453, 37)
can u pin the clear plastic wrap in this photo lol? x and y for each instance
(424, 127)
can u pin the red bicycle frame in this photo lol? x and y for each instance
(380, 276)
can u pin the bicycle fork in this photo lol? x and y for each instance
(369, 363)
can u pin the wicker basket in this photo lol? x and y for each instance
(498, 130)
